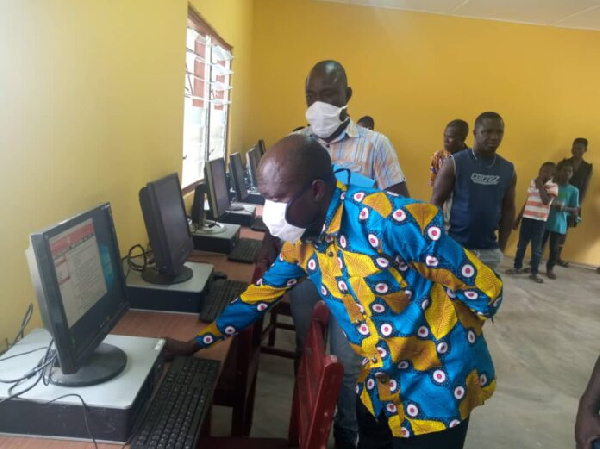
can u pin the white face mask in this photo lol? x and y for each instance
(324, 118)
(274, 218)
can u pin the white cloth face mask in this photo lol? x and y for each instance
(274, 218)
(324, 118)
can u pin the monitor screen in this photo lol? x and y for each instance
(252, 160)
(236, 168)
(216, 184)
(168, 231)
(78, 277)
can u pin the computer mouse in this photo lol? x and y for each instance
(218, 275)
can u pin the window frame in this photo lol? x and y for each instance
(197, 23)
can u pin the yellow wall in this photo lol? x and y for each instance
(91, 109)
(415, 72)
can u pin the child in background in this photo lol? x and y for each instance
(566, 204)
(532, 218)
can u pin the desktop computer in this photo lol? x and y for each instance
(221, 208)
(97, 386)
(243, 195)
(171, 283)
(80, 286)
(223, 235)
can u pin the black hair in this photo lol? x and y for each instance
(563, 164)
(461, 125)
(332, 66)
(582, 140)
(298, 128)
(485, 115)
(548, 164)
(367, 121)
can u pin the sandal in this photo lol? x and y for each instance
(550, 275)
(514, 271)
(535, 278)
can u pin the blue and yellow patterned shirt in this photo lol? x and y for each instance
(410, 300)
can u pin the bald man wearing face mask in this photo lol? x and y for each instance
(410, 299)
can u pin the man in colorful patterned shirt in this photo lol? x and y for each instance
(411, 301)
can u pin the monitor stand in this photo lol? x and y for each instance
(153, 276)
(106, 362)
(234, 207)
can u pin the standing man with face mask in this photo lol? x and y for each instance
(362, 152)
(482, 185)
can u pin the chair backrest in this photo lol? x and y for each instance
(316, 388)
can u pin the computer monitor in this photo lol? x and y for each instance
(252, 160)
(262, 148)
(168, 231)
(78, 278)
(236, 169)
(216, 185)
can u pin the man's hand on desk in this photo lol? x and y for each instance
(270, 249)
(174, 348)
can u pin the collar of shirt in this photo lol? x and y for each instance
(333, 218)
(350, 131)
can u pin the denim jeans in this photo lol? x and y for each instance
(531, 231)
(555, 246)
(490, 257)
(303, 298)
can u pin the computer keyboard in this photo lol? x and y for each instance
(174, 417)
(221, 293)
(245, 250)
(259, 225)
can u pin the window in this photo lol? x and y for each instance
(207, 98)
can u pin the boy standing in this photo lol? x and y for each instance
(566, 204)
(532, 217)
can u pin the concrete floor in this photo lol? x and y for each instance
(544, 342)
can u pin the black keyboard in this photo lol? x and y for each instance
(175, 415)
(259, 225)
(221, 293)
(245, 250)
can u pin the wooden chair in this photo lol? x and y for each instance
(236, 387)
(269, 332)
(316, 390)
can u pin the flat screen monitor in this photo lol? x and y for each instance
(80, 286)
(262, 148)
(168, 231)
(252, 160)
(236, 169)
(216, 184)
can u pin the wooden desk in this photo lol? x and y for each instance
(155, 324)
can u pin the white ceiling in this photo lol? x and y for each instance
(584, 14)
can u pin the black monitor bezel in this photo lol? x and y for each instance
(165, 264)
(236, 169)
(209, 170)
(252, 160)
